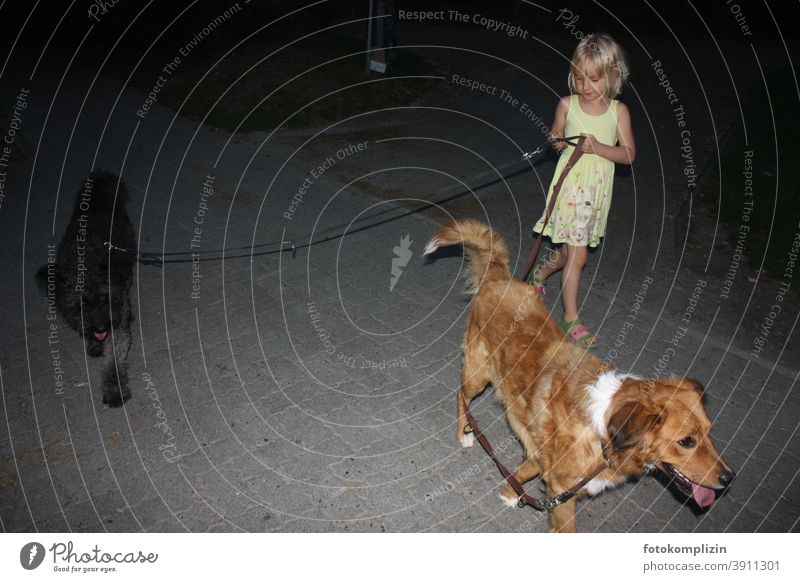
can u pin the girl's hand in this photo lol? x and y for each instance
(590, 144)
(557, 144)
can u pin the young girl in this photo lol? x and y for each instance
(597, 73)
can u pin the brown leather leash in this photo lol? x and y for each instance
(573, 159)
(524, 498)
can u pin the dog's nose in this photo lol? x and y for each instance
(726, 478)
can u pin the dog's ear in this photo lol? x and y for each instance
(630, 423)
(695, 385)
(676, 380)
(690, 383)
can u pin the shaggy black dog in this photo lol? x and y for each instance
(90, 280)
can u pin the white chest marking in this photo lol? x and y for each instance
(600, 394)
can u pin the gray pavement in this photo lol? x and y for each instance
(308, 392)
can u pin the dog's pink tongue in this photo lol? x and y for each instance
(100, 335)
(703, 495)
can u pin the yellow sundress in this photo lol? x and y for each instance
(581, 211)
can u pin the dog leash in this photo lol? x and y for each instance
(548, 142)
(160, 259)
(525, 499)
(573, 159)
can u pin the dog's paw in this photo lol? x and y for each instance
(115, 399)
(467, 440)
(508, 500)
(115, 386)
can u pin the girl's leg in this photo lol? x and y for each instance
(570, 281)
(571, 278)
(552, 262)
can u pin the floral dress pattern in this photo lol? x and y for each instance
(581, 211)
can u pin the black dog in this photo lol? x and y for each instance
(91, 277)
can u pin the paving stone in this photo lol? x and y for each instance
(270, 429)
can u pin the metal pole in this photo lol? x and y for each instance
(369, 38)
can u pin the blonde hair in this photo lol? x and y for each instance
(602, 52)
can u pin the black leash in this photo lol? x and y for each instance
(160, 259)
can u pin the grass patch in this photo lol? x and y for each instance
(771, 213)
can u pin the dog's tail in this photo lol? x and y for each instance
(486, 250)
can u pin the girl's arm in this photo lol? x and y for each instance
(625, 152)
(560, 122)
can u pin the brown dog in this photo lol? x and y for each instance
(571, 410)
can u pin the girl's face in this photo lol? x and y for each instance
(590, 82)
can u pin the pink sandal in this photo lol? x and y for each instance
(537, 284)
(579, 333)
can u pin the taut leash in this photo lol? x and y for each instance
(525, 499)
(159, 259)
(573, 159)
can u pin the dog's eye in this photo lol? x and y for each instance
(103, 299)
(686, 442)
